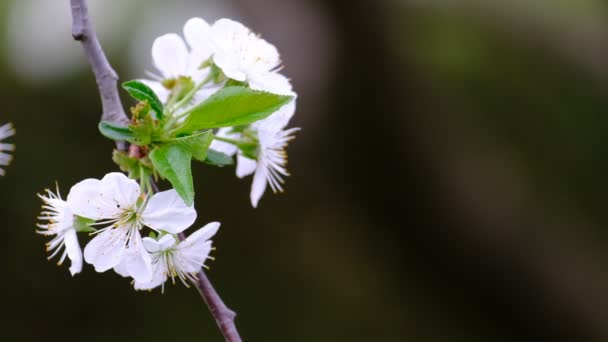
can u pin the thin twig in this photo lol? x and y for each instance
(105, 76)
(113, 112)
(223, 315)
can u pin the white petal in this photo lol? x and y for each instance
(106, 250)
(138, 262)
(262, 56)
(119, 191)
(279, 119)
(158, 277)
(227, 33)
(229, 65)
(121, 269)
(167, 211)
(203, 234)
(198, 35)
(271, 82)
(72, 247)
(258, 186)
(103, 199)
(245, 166)
(155, 246)
(170, 55)
(83, 198)
(192, 257)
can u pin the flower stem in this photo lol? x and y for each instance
(224, 316)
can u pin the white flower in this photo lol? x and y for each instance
(174, 59)
(60, 223)
(182, 260)
(117, 201)
(245, 57)
(6, 131)
(269, 166)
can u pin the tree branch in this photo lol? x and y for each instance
(224, 317)
(105, 76)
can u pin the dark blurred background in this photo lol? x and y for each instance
(448, 183)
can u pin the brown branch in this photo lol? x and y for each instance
(113, 112)
(223, 315)
(105, 76)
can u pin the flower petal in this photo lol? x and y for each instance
(198, 35)
(258, 186)
(227, 34)
(138, 261)
(119, 191)
(155, 246)
(158, 277)
(83, 198)
(105, 198)
(167, 211)
(245, 166)
(271, 82)
(121, 269)
(106, 250)
(277, 120)
(72, 247)
(203, 234)
(170, 55)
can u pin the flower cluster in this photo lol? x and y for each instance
(241, 56)
(217, 95)
(6, 130)
(115, 211)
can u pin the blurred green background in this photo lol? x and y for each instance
(448, 183)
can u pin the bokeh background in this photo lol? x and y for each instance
(448, 183)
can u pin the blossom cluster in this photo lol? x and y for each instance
(116, 205)
(218, 95)
(242, 56)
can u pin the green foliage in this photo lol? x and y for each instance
(137, 168)
(173, 162)
(142, 92)
(145, 131)
(232, 106)
(115, 132)
(218, 158)
(197, 143)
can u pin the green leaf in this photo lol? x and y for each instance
(142, 92)
(173, 162)
(218, 158)
(197, 143)
(115, 132)
(232, 106)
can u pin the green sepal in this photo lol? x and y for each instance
(144, 131)
(83, 224)
(142, 92)
(232, 106)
